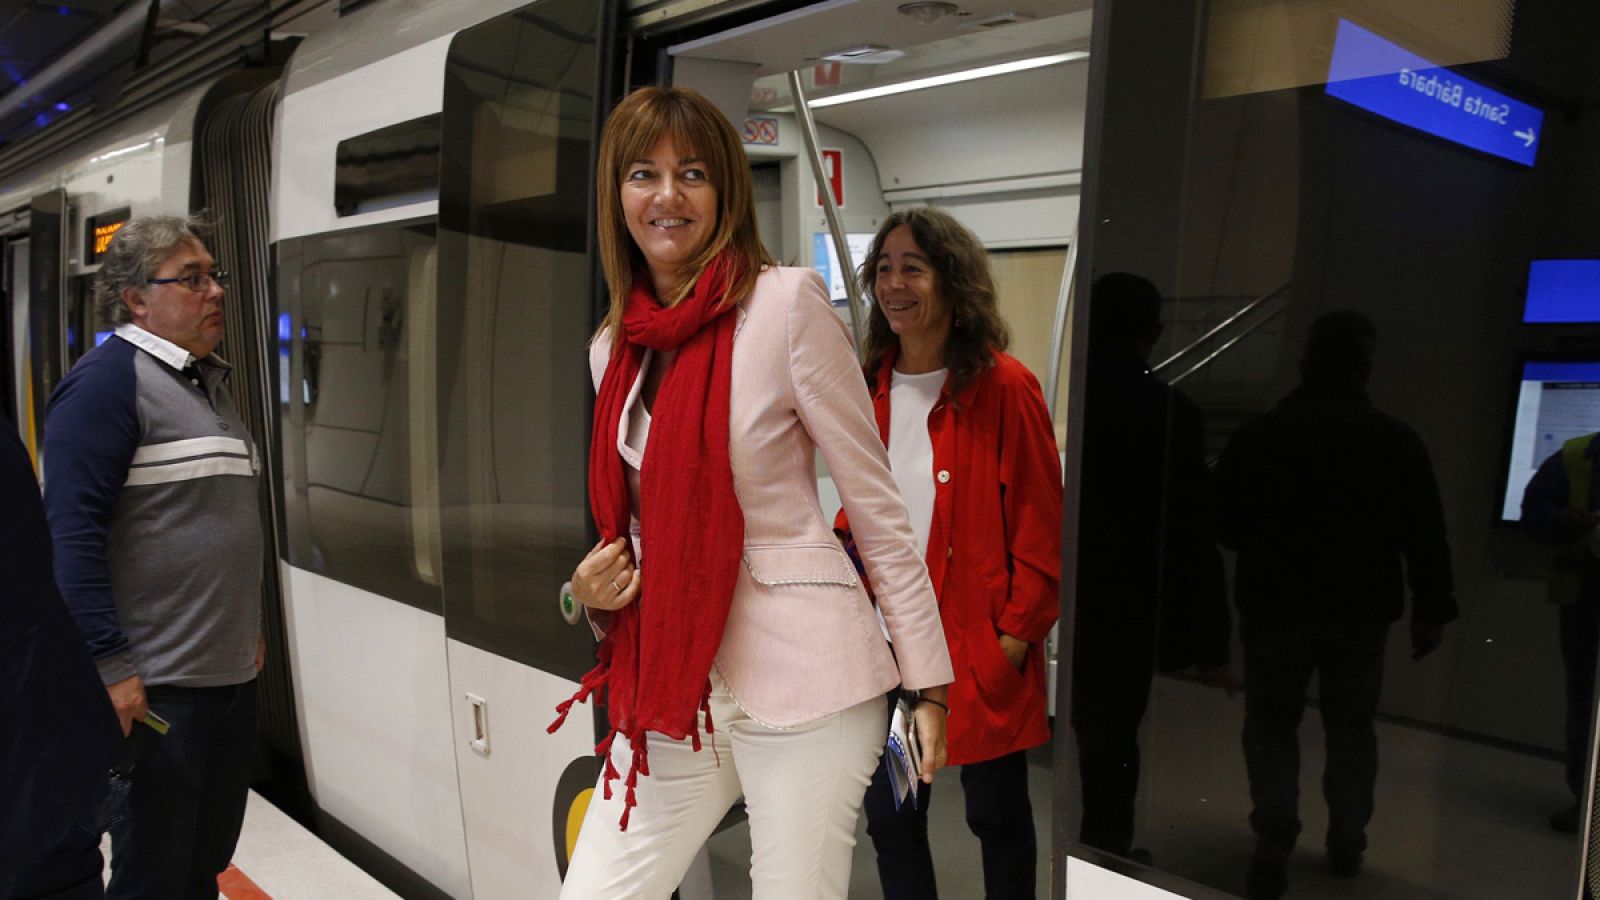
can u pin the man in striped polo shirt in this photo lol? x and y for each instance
(152, 492)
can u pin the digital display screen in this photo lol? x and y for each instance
(99, 231)
(1384, 78)
(1563, 290)
(825, 259)
(1556, 402)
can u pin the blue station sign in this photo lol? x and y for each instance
(1384, 78)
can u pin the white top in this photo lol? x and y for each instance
(631, 446)
(911, 399)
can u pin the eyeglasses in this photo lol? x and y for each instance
(195, 282)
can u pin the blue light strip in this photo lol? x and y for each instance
(1385, 78)
(1582, 372)
(1563, 290)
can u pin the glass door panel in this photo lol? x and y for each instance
(1404, 191)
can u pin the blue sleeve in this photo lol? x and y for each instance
(91, 432)
(1545, 499)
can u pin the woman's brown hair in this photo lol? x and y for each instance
(961, 273)
(695, 126)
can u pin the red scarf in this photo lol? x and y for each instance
(655, 660)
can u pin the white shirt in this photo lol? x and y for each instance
(911, 399)
(631, 446)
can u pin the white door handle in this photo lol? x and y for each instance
(480, 724)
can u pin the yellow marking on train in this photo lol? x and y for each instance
(575, 814)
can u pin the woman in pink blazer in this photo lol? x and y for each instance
(740, 654)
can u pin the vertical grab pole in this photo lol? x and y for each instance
(808, 131)
(1058, 344)
(1058, 336)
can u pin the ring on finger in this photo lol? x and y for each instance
(614, 586)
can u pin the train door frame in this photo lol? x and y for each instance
(49, 227)
(13, 331)
(652, 61)
(508, 671)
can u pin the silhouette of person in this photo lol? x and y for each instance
(1151, 589)
(1324, 497)
(58, 732)
(1558, 507)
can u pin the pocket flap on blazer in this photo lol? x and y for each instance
(781, 564)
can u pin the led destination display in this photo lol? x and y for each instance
(1385, 78)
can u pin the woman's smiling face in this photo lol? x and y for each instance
(907, 289)
(670, 205)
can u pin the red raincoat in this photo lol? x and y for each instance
(994, 550)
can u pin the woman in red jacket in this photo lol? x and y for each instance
(973, 451)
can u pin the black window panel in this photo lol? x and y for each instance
(1220, 166)
(394, 162)
(514, 321)
(47, 299)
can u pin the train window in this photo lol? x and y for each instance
(357, 431)
(514, 321)
(393, 165)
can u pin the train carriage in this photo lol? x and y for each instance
(405, 198)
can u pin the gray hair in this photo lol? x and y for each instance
(136, 252)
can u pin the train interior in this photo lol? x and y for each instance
(409, 210)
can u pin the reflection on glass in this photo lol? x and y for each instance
(1333, 509)
(357, 302)
(1364, 409)
(513, 328)
(1150, 581)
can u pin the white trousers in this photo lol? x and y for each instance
(802, 788)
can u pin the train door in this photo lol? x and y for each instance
(515, 285)
(1393, 210)
(47, 335)
(14, 287)
(979, 113)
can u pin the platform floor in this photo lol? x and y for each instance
(277, 859)
(1455, 819)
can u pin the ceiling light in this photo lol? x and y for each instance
(875, 54)
(918, 84)
(927, 11)
(1003, 19)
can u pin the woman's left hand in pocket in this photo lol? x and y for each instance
(1015, 649)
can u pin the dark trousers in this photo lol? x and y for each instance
(1280, 658)
(58, 739)
(998, 812)
(1113, 666)
(1580, 642)
(186, 804)
(71, 873)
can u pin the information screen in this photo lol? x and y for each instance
(1556, 402)
(1563, 290)
(825, 259)
(1384, 78)
(99, 231)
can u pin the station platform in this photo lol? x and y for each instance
(277, 859)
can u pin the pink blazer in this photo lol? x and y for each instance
(801, 640)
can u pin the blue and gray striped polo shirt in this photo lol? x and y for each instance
(152, 490)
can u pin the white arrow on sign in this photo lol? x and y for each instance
(1527, 136)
